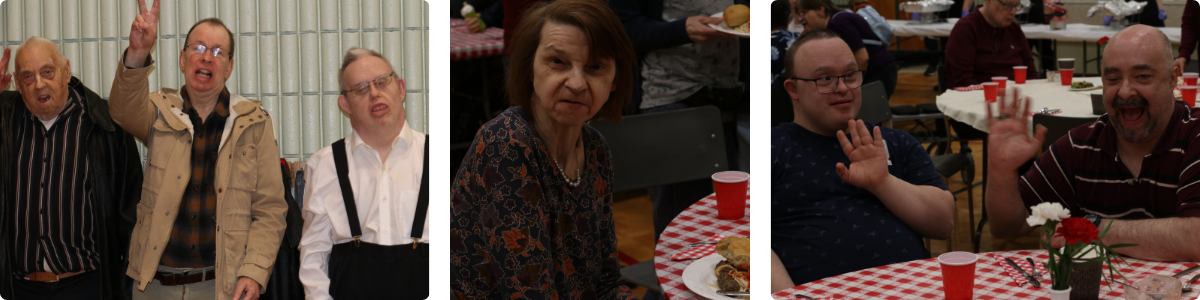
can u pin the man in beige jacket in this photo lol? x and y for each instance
(212, 211)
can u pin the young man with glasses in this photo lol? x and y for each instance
(842, 202)
(366, 231)
(212, 211)
(987, 43)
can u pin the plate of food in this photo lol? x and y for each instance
(1080, 86)
(738, 22)
(728, 270)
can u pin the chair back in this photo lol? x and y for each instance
(875, 106)
(662, 148)
(1058, 126)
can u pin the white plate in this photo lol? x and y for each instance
(1094, 87)
(699, 277)
(725, 28)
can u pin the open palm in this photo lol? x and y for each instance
(1008, 133)
(868, 156)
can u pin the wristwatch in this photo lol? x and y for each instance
(1094, 219)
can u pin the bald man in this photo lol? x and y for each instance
(1134, 168)
(70, 183)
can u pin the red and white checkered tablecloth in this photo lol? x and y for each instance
(466, 45)
(922, 279)
(698, 223)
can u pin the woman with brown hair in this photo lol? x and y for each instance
(531, 204)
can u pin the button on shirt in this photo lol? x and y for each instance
(386, 198)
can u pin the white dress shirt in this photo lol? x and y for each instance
(385, 195)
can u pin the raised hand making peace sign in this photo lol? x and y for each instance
(5, 78)
(142, 35)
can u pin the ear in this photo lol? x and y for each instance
(229, 71)
(403, 89)
(343, 104)
(790, 86)
(181, 60)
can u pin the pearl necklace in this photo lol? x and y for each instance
(572, 183)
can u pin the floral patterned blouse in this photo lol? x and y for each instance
(519, 231)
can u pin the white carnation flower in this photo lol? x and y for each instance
(1047, 212)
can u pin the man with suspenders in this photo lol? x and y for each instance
(365, 218)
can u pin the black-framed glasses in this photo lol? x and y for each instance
(381, 82)
(828, 84)
(1011, 7)
(197, 49)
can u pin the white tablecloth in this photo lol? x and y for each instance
(1073, 33)
(968, 107)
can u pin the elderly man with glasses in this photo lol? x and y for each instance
(366, 231)
(987, 43)
(211, 215)
(846, 195)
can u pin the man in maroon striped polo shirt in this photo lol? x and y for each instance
(1135, 167)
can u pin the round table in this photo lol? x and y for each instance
(968, 107)
(695, 224)
(465, 44)
(922, 279)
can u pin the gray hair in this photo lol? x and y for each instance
(352, 55)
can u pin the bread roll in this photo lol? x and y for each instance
(736, 15)
(736, 250)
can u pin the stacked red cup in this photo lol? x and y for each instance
(1066, 69)
(1189, 88)
(1000, 80)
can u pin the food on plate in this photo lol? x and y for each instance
(1081, 85)
(737, 17)
(1159, 285)
(733, 273)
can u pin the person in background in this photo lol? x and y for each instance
(70, 183)
(205, 146)
(1131, 173)
(1189, 29)
(987, 43)
(845, 195)
(781, 38)
(375, 245)
(869, 51)
(531, 203)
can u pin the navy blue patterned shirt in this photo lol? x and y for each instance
(822, 226)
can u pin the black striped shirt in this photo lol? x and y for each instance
(193, 242)
(1083, 172)
(53, 214)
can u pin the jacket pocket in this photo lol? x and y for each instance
(137, 243)
(244, 164)
(235, 230)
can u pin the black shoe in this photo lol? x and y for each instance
(930, 70)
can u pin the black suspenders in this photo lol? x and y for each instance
(343, 172)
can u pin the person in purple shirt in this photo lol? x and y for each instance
(870, 52)
(987, 43)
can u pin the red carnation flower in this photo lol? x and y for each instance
(1076, 229)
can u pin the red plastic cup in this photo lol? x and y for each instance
(1019, 74)
(1189, 78)
(1066, 75)
(1002, 81)
(958, 274)
(989, 91)
(731, 194)
(1189, 94)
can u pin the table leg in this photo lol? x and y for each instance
(984, 218)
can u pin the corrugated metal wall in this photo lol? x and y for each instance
(288, 51)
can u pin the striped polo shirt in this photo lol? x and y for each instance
(1083, 171)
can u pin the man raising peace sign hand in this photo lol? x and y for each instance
(212, 214)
